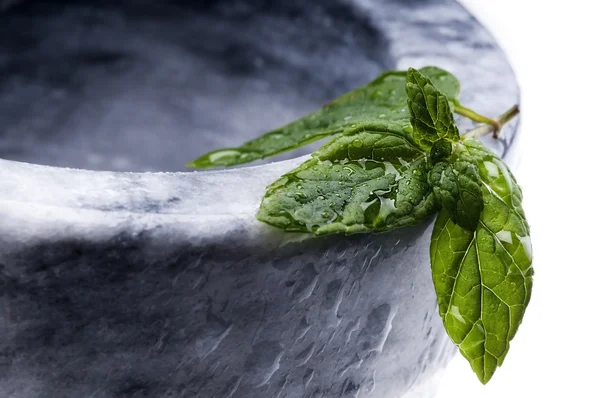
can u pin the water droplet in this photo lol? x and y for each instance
(357, 143)
(454, 311)
(504, 236)
(223, 154)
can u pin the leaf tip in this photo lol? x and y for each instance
(192, 165)
(484, 367)
(201, 163)
(485, 375)
(222, 157)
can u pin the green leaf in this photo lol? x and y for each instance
(440, 150)
(430, 111)
(373, 178)
(383, 99)
(457, 187)
(483, 278)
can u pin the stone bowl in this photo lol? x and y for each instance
(125, 277)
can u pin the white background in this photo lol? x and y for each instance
(554, 47)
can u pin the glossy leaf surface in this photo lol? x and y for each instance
(373, 178)
(383, 99)
(483, 278)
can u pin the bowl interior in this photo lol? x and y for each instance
(149, 85)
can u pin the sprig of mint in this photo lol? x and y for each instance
(383, 99)
(396, 159)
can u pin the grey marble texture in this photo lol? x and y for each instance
(128, 284)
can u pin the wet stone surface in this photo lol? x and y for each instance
(164, 284)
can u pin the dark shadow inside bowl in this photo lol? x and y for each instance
(150, 85)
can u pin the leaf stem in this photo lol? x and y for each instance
(476, 117)
(508, 115)
(495, 128)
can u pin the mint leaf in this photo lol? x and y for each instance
(440, 150)
(483, 278)
(373, 178)
(430, 111)
(456, 186)
(383, 99)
